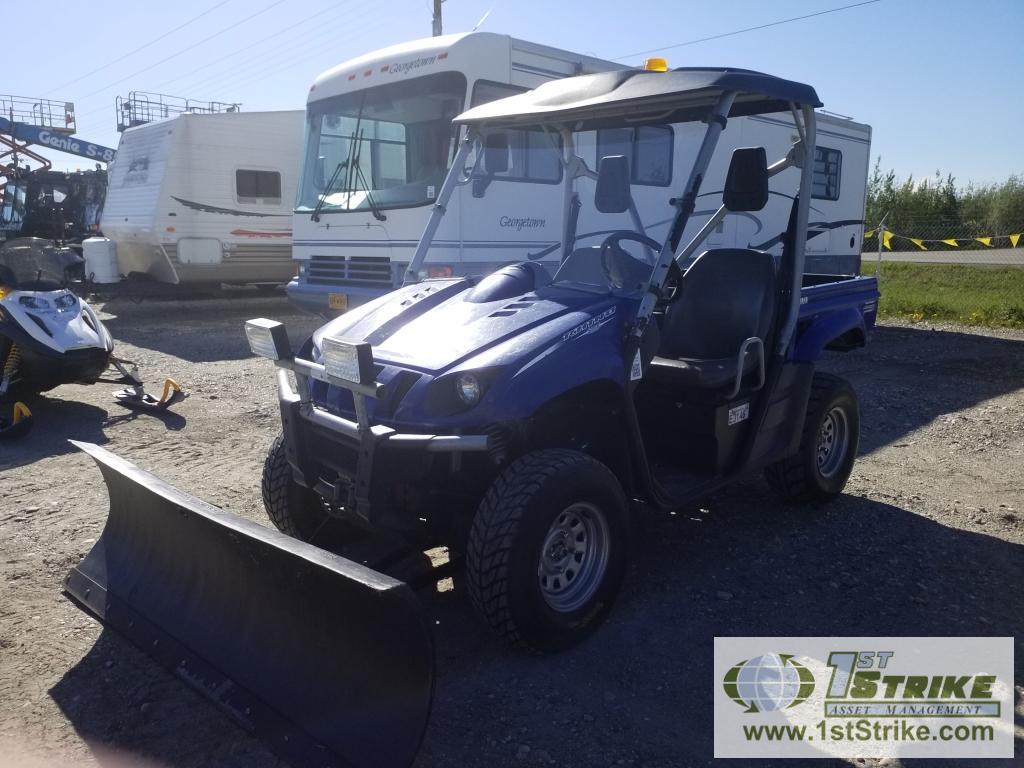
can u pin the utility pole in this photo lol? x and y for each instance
(437, 18)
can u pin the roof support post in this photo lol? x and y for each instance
(805, 158)
(451, 181)
(716, 122)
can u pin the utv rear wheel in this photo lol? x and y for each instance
(293, 509)
(547, 550)
(828, 446)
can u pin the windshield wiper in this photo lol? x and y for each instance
(315, 216)
(360, 178)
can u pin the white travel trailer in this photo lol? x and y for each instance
(206, 198)
(379, 140)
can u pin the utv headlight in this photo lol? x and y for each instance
(268, 338)
(347, 360)
(467, 387)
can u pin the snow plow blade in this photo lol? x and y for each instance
(329, 662)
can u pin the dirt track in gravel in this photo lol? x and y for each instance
(928, 540)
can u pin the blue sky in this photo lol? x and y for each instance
(938, 81)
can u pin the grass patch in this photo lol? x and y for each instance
(991, 296)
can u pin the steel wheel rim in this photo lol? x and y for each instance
(574, 557)
(833, 442)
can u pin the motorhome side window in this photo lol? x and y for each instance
(828, 164)
(258, 186)
(485, 91)
(533, 155)
(648, 148)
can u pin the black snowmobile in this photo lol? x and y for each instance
(49, 336)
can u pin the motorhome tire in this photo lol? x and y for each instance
(293, 509)
(547, 550)
(819, 469)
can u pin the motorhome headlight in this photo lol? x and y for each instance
(33, 302)
(468, 388)
(268, 338)
(347, 360)
(439, 271)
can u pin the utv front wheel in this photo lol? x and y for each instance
(547, 550)
(293, 509)
(828, 446)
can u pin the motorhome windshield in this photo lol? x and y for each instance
(394, 144)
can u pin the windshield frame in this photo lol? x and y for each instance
(715, 117)
(352, 198)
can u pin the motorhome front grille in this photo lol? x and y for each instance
(349, 270)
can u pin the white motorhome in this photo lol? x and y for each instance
(206, 198)
(379, 140)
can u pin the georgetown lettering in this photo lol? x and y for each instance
(519, 223)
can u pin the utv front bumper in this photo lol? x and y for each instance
(352, 464)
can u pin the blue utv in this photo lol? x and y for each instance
(522, 418)
(519, 416)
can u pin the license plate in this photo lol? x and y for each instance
(337, 301)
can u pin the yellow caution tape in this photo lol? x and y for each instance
(955, 242)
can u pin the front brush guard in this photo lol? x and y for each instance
(329, 662)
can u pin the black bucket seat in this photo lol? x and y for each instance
(716, 328)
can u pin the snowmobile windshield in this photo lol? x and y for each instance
(34, 264)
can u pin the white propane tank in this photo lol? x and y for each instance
(100, 259)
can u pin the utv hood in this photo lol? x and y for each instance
(437, 325)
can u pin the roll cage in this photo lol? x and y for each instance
(630, 98)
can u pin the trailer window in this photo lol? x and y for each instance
(258, 187)
(648, 147)
(828, 164)
(485, 91)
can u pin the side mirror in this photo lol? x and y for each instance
(612, 194)
(746, 186)
(495, 153)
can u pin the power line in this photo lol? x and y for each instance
(184, 50)
(275, 34)
(233, 83)
(141, 47)
(748, 29)
(230, 76)
(249, 76)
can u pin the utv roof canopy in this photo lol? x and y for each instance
(621, 97)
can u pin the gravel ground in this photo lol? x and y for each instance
(927, 540)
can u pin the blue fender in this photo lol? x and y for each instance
(824, 329)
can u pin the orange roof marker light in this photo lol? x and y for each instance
(656, 64)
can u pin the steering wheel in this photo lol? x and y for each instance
(618, 273)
